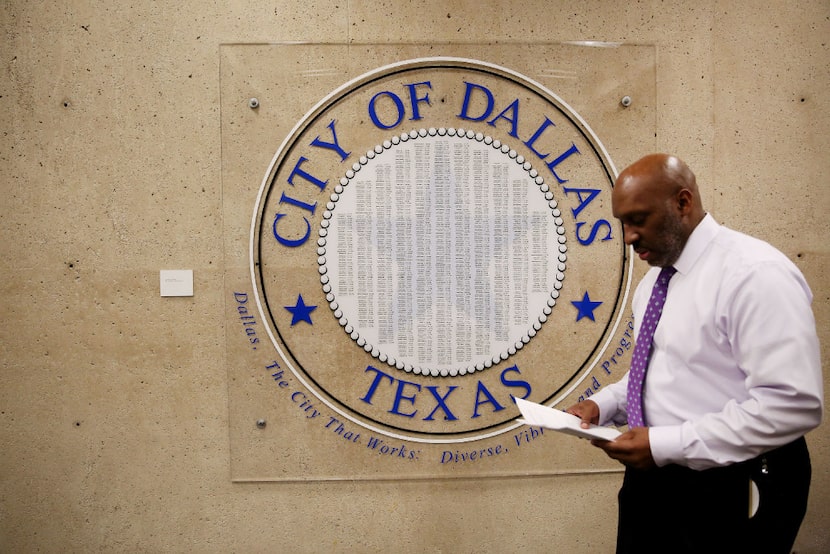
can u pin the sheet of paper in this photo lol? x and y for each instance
(550, 418)
(754, 498)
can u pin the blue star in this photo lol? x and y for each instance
(300, 312)
(586, 307)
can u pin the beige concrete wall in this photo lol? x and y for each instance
(113, 401)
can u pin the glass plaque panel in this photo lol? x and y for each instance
(414, 236)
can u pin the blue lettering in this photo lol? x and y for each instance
(527, 435)
(294, 202)
(529, 143)
(583, 202)
(514, 108)
(331, 145)
(490, 400)
(374, 386)
(511, 383)
(441, 403)
(552, 165)
(288, 242)
(472, 455)
(415, 99)
(399, 396)
(594, 230)
(466, 105)
(398, 105)
(405, 394)
(305, 175)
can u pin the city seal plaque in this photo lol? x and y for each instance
(432, 240)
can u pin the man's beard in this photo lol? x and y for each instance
(673, 234)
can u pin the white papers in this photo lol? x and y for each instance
(549, 418)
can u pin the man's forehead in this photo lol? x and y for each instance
(633, 195)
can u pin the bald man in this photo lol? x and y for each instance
(715, 454)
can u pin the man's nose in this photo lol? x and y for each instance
(630, 236)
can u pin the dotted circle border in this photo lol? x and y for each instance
(344, 182)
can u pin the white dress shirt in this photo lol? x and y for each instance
(735, 369)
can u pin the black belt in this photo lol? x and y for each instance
(778, 459)
(774, 462)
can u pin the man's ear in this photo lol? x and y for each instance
(684, 201)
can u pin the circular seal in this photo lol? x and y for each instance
(432, 272)
(434, 239)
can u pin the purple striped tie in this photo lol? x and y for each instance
(639, 360)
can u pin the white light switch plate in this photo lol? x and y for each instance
(176, 282)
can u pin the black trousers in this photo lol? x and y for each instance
(679, 510)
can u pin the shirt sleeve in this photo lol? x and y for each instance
(612, 402)
(765, 313)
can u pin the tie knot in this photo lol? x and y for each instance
(666, 273)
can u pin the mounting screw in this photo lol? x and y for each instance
(253, 103)
(260, 423)
(626, 101)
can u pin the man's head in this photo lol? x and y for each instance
(657, 201)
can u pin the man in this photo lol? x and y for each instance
(732, 379)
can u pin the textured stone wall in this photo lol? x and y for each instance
(114, 400)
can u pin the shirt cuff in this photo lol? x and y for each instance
(608, 408)
(666, 442)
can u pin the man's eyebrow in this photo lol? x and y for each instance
(632, 215)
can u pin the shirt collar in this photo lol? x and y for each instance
(700, 238)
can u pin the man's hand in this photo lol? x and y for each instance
(632, 448)
(587, 411)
